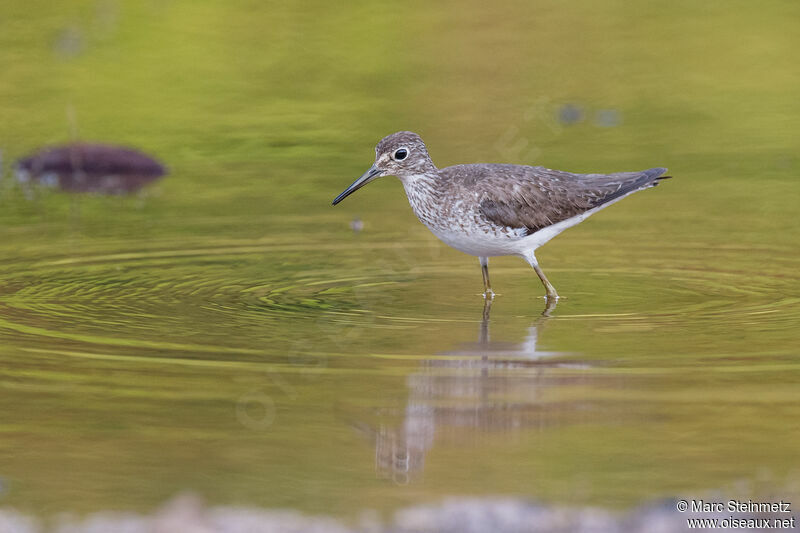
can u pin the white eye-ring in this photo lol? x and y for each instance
(400, 154)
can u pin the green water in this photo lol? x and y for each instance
(226, 332)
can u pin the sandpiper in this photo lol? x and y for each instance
(489, 210)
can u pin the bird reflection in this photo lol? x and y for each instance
(478, 388)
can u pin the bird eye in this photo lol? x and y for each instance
(400, 154)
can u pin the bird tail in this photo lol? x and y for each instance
(656, 174)
(637, 181)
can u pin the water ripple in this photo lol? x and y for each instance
(214, 300)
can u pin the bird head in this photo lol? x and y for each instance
(401, 154)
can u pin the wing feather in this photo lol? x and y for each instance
(532, 198)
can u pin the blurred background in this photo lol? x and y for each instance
(224, 330)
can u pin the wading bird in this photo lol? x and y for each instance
(489, 210)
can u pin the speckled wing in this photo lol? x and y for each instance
(532, 198)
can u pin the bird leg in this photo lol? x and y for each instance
(551, 291)
(488, 293)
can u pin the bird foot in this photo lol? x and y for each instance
(550, 303)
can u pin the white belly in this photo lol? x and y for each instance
(478, 244)
(476, 241)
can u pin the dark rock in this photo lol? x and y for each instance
(96, 168)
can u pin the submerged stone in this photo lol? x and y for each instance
(89, 167)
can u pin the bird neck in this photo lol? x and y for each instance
(422, 184)
(423, 193)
